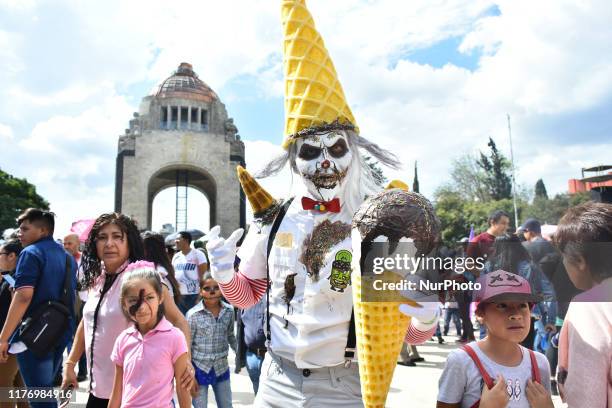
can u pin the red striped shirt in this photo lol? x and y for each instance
(416, 336)
(243, 292)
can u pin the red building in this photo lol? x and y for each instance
(599, 184)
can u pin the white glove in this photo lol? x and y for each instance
(222, 254)
(429, 311)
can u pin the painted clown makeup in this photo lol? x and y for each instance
(323, 161)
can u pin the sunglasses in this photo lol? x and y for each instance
(209, 289)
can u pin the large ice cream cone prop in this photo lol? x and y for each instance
(314, 99)
(261, 201)
(380, 328)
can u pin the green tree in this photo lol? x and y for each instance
(540, 190)
(458, 214)
(468, 179)
(550, 211)
(15, 196)
(377, 172)
(496, 168)
(450, 209)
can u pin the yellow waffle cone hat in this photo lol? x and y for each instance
(259, 198)
(314, 99)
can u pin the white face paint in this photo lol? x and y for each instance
(323, 162)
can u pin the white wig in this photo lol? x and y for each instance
(360, 181)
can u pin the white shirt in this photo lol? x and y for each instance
(319, 315)
(461, 381)
(186, 270)
(163, 273)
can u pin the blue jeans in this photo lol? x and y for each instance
(40, 372)
(454, 314)
(223, 395)
(253, 366)
(187, 302)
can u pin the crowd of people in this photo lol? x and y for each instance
(143, 319)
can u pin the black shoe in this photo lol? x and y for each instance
(81, 377)
(440, 340)
(406, 363)
(417, 360)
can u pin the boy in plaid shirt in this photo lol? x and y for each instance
(212, 330)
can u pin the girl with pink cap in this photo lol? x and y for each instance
(497, 371)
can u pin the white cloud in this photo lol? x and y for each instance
(71, 159)
(17, 5)
(548, 55)
(6, 133)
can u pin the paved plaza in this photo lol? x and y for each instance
(412, 387)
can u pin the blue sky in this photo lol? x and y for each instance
(427, 80)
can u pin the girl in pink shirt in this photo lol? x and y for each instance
(151, 353)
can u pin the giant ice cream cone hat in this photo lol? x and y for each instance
(379, 325)
(261, 201)
(314, 99)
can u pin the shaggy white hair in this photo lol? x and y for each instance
(360, 181)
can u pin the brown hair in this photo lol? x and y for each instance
(91, 262)
(155, 251)
(585, 231)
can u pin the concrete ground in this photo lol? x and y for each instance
(412, 387)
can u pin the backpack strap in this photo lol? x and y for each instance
(67, 278)
(485, 376)
(535, 370)
(277, 221)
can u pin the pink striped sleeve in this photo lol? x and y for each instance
(243, 292)
(416, 336)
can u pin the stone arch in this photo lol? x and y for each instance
(152, 149)
(198, 178)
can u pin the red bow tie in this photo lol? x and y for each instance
(321, 206)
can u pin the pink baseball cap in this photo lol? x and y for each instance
(501, 285)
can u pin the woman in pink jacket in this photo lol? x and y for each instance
(584, 237)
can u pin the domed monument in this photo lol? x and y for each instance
(181, 137)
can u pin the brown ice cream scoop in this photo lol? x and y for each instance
(396, 214)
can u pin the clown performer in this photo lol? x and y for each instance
(301, 247)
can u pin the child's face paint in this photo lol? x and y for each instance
(142, 303)
(210, 289)
(134, 308)
(508, 320)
